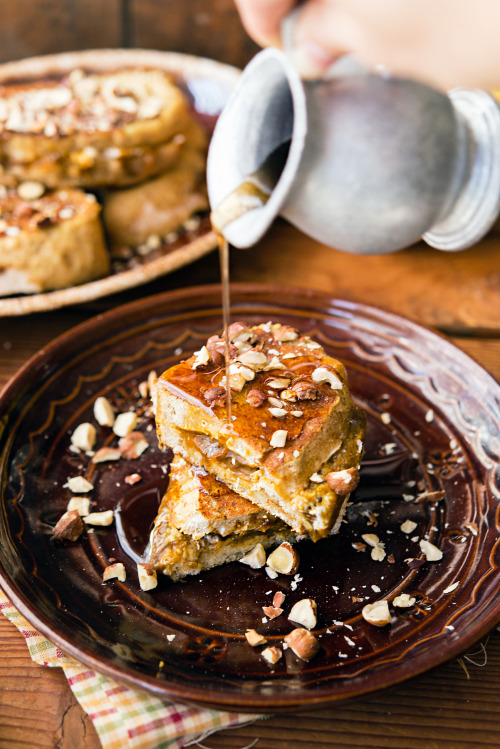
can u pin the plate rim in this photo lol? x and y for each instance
(246, 702)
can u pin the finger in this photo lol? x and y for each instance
(262, 19)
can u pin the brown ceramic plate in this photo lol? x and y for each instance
(442, 436)
(207, 85)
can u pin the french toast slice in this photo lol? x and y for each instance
(49, 240)
(160, 205)
(294, 426)
(93, 130)
(202, 524)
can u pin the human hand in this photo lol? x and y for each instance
(443, 42)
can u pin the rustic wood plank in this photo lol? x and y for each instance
(208, 29)
(35, 28)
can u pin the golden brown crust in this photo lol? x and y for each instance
(50, 242)
(91, 130)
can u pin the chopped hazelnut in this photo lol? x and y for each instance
(215, 396)
(285, 333)
(84, 436)
(256, 558)
(201, 358)
(255, 397)
(132, 478)
(306, 391)
(147, 576)
(133, 445)
(124, 423)
(303, 643)
(304, 612)
(278, 599)
(115, 571)
(377, 613)
(99, 518)
(79, 485)
(103, 412)
(343, 482)
(80, 504)
(284, 560)
(278, 383)
(403, 601)
(69, 526)
(272, 611)
(254, 638)
(272, 654)
(432, 553)
(322, 374)
(278, 438)
(106, 454)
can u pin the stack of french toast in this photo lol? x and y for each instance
(88, 161)
(277, 465)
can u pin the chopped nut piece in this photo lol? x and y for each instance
(256, 558)
(272, 654)
(133, 445)
(238, 332)
(256, 397)
(377, 613)
(69, 526)
(239, 375)
(147, 576)
(271, 573)
(79, 485)
(278, 383)
(391, 559)
(215, 396)
(272, 612)
(297, 414)
(358, 546)
(377, 553)
(103, 412)
(275, 363)
(256, 360)
(84, 436)
(408, 526)
(278, 599)
(316, 478)
(99, 518)
(284, 559)
(30, 190)
(306, 391)
(80, 504)
(322, 374)
(201, 358)
(278, 438)
(143, 389)
(386, 417)
(451, 587)
(288, 395)
(113, 571)
(304, 612)
(432, 553)
(303, 643)
(106, 454)
(343, 482)
(472, 527)
(124, 423)
(254, 638)
(216, 348)
(285, 333)
(278, 413)
(371, 539)
(403, 601)
(132, 478)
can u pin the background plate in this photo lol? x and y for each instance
(207, 85)
(442, 436)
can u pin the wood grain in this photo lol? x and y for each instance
(36, 28)
(208, 29)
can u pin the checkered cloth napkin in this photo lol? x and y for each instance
(124, 717)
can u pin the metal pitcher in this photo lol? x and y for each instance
(374, 163)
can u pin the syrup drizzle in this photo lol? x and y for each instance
(224, 274)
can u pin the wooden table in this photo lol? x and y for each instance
(458, 704)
